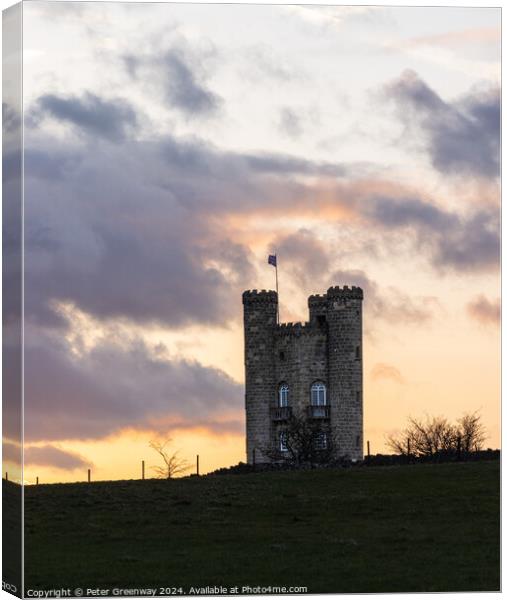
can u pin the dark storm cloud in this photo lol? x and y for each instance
(463, 136)
(51, 456)
(11, 167)
(282, 164)
(141, 222)
(400, 212)
(460, 242)
(183, 88)
(90, 114)
(144, 224)
(120, 383)
(132, 223)
(51, 165)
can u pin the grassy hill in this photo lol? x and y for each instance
(375, 529)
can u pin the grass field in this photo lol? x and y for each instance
(375, 529)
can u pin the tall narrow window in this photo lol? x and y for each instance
(283, 395)
(318, 394)
(283, 441)
(320, 440)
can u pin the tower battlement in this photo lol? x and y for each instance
(266, 296)
(345, 292)
(316, 299)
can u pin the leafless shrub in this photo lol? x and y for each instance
(436, 436)
(173, 463)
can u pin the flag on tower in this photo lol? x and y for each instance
(272, 260)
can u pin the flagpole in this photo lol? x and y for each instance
(278, 298)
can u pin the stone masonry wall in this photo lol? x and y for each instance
(300, 360)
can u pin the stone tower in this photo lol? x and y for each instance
(313, 368)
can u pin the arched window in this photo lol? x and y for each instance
(283, 395)
(283, 441)
(318, 394)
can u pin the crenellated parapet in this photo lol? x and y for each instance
(317, 300)
(260, 296)
(353, 292)
(297, 329)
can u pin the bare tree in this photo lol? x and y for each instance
(302, 441)
(435, 436)
(173, 463)
(472, 432)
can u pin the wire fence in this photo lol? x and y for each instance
(369, 459)
(195, 468)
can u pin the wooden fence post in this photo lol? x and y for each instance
(368, 448)
(197, 465)
(37, 481)
(253, 458)
(408, 446)
(142, 469)
(6, 476)
(89, 475)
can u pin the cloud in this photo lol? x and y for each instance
(402, 212)
(143, 222)
(180, 76)
(304, 255)
(11, 452)
(472, 245)
(264, 162)
(333, 16)
(462, 136)
(311, 264)
(11, 120)
(90, 114)
(154, 226)
(184, 90)
(51, 456)
(103, 223)
(261, 63)
(388, 304)
(290, 123)
(485, 311)
(118, 383)
(460, 242)
(385, 371)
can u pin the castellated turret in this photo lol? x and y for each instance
(313, 368)
(260, 309)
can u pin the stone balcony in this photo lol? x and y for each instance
(320, 411)
(281, 413)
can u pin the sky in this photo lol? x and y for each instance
(170, 148)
